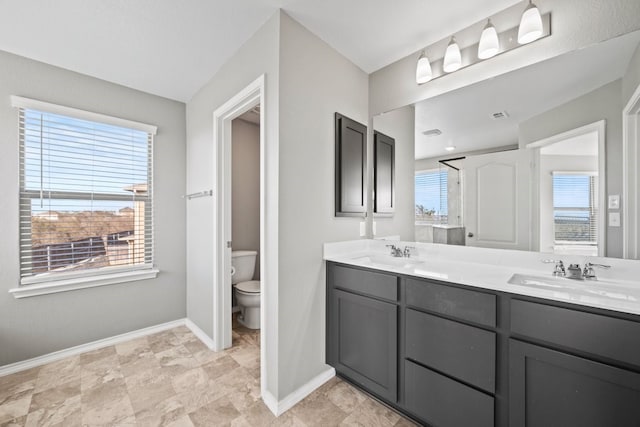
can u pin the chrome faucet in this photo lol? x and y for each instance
(395, 251)
(558, 270)
(589, 272)
(407, 251)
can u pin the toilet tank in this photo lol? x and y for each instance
(244, 263)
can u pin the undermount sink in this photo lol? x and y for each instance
(389, 260)
(604, 288)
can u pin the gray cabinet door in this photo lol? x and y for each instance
(550, 388)
(364, 336)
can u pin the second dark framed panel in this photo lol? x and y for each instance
(384, 153)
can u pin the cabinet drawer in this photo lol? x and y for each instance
(443, 402)
(477, 307)
(462, 351)
(593, 333)
(366, 282)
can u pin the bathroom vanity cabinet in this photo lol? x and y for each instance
(453, 355)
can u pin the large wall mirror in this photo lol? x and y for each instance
(529, 160)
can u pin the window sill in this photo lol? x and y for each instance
(72, 284)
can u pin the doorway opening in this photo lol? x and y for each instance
(223, 128)
(571, 208)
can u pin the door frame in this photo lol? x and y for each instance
(600, 128)
(223, 116)
(630, 181)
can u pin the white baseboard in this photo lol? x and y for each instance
(83, 348)
(280, 407)
(202, 336)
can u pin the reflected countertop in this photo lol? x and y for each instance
(516, 272)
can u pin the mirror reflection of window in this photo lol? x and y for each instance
(575, 213)
(431, 197)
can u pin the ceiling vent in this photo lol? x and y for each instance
(500, 115)
(432, 132)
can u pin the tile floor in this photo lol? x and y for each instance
(172, 379)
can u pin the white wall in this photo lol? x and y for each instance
(259, 55)
(574, 23)
(315, 82)
(399, 124)
(549, 164)
(603, 103)
(38, 325)
(245, 191)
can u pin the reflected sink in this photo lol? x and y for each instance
(603, 288)
(389, 261)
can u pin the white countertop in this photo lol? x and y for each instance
(493, 269)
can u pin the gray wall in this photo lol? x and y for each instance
(259, 55)
(315, 82)
(603, 103)
(399, 124)
(245, 183)
(38, 325)
(631, 79)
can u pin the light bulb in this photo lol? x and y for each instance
(489, 44)
(530, 25)
(452, 58)
(423, 69)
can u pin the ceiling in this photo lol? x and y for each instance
(465, 116)
(172, 48)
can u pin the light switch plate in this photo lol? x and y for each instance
(614, 201)
(614, 219)
(374, 228)
(363, 229)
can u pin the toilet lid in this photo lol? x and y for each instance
(252, 286)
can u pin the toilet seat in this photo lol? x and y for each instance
(250, 287)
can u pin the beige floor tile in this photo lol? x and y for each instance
(56, 413)
(220, 366)
(99, 372)
(92, 356)
(318, 412)
(216, 413)
(55, 396)
(18, 383)
(163, 341)
(16, 422)
(345, 396)
(149, 388)
(14, 408)
(176, 360)
(108, 404)
(287, 420)
(57, 373)
(165, 413)
(373, 414)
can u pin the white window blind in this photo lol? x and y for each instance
(86, 205)
(431, 197)
(575, 208)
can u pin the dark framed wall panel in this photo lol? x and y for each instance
(384, 152)
(351, 167)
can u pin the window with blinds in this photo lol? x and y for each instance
(431, 197)
(86, 205)
(575, 208)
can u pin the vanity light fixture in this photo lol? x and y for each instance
(452, 57)
(423, 70)
(530, 28)
(489, 44)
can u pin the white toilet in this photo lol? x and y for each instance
(247, 291)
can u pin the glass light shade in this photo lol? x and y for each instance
(530, 25)
(423, 69)
(452, 58)
(489, 44)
